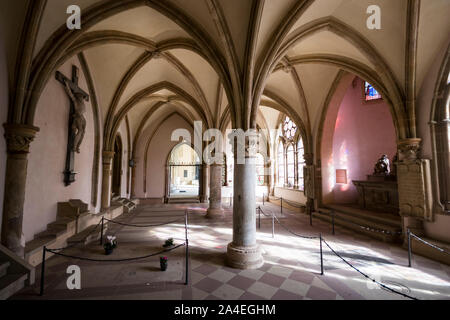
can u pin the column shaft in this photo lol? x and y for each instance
(215, 192)
(18, 139)
(106, 179)
(243, 252)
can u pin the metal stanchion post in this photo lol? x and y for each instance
(186, 224)
(187, 262)
(44, 250)
(332, 220)
(310, 217)
(321, 256)
(101, 232)
(281, 200)
(409, 248)
(273, 225)
(259, 218)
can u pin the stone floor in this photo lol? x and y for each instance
(291, 270)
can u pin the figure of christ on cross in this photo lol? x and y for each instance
(77, 121)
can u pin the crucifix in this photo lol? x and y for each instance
(77, 121)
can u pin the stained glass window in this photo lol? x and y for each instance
(370, 92)
(280, 165)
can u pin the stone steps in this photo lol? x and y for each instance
(382, 218)
(183, 200)
(87, 236)
(10, 284)
(69, 227)
(15, 273)
(352, 220)
(4, 265)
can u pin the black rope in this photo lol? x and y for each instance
(430, 244)
(367, 228)
(294, 205)
(146, 225)
(116, 260)
(366, 276)
(287, 229)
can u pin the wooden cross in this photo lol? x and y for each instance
(69, 173)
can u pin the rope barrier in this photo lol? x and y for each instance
(366, 276)
(144, 226)
(338, 255)
(292, 204)
(286, 228)
(116, 260)
(56, 251)
(430, 244)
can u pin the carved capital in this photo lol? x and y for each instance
(309, 159)
(107, 157)
(19, 137)
(409, 149)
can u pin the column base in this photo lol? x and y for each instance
(214, 213)
(244, 257)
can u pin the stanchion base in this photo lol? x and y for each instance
(244, 257)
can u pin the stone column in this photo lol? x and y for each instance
(244, 252)
(204, 189)
(215, 192)
(18, 138)
(309, 180)
(106, 178)
(133, 179)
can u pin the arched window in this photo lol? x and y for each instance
(300, 163)
(260, 176)
(281, 164)
(290, 166)
(289, 129)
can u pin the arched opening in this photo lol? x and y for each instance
(358, 131)
(117, 168)
(184, 172)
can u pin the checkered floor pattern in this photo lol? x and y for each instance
(291, 270)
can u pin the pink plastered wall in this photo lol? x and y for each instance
(46, 161)
(362, 133)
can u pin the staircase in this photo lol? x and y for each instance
(183, 200)
(352, 218)
(128, 205)
(15, 273)
(73, 221)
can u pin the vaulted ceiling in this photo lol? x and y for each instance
(191, 55)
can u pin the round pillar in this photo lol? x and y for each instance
(18, 139)
(215, 192)
(106, 179)
(244, 252)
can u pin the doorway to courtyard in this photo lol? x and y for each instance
(184, 172)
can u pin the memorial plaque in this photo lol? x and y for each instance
(414, 188)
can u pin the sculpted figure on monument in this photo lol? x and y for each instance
(79, 121)
(382, 167)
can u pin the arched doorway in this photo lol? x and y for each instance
(117, 168)
(184, 175)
